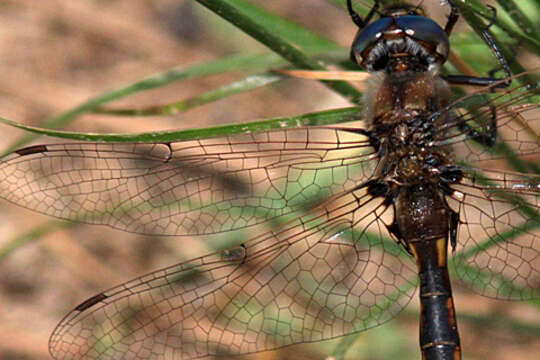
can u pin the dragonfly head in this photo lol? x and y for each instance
(402, 39)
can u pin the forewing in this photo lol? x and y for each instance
(190, 187)
(323, 275)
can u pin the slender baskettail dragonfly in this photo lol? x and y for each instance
(358, 217)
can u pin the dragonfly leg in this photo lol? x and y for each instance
(487, 138)
(357, 19)
(452, 18)
(496, 50)
(488, 38)
(361, 23)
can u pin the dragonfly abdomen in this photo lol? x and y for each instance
(423, 221)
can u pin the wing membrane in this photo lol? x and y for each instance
(517, 127)
(186, 188)
(327, 273)
(318, 277)
(499, 233)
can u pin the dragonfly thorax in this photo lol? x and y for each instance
(412, 164)
(406, 99)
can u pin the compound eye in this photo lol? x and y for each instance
(426, 30)
(366, 37)
(355, 59)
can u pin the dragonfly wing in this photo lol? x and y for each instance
(499, 233)
(190, 187)
(325, 274)
(512, 117)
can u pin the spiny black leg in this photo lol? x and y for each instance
(354, 15)
(484, 81)
(495, 48)
(472, 80)
(372, 11)
(488, 138)
(357, 19)
(494, 71)
(452, 18)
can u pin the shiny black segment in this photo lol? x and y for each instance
(452, 174)
(377, 188)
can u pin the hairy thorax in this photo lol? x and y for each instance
(399, 109)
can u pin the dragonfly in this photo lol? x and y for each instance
(358, 216)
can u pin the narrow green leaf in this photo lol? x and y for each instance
(302, 37)
(505, 287)
(237, 12)
(31, 235)
(504, 322)
(246, 84)
(470, 8)
(343, 346)
(152, 82)
(520, 18)
(318, 118)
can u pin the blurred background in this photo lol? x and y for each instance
(54, 55)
